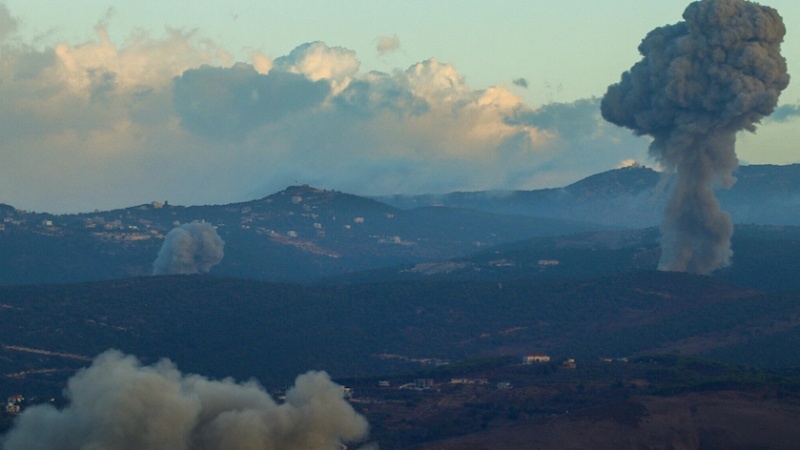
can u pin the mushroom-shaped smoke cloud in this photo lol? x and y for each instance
(698, 83)
(118, 404)
(190, 248)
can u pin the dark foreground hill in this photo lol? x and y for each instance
(472, 332)
(226, 327)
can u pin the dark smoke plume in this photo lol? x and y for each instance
(698, 83)
(118, 404)
(191, 248)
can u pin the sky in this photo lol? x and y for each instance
(110, 104)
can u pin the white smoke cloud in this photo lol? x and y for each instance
(117, 403)
(188, 249)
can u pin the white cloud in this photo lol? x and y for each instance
(317, 61)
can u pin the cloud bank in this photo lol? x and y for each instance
(97, 125)
(117, 403)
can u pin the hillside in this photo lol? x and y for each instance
(634, 197)
(246, 329)
(303, 234)
(764, 258)
(473, 330)
(296, 235)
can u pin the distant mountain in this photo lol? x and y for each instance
(304, 234)
(299, 234)
(633, 197)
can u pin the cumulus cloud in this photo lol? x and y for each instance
(388, 44)
(225, 103)
(84, 124)
(118, 403)
(316, 61)
(188, 249)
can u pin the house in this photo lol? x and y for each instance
(423, 383)
(536, 358)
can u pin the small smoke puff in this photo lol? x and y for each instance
(521, 82)
(388, 44)
(625, 163)
(117, 403)
(191, 248)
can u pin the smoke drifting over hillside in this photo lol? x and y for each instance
(698, 83)
(119, 404)
(191, 248)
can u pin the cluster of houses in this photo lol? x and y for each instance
(421, 384)
(14, 403)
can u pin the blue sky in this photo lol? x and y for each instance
(111, 104)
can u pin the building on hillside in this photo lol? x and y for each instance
(536, 358)
(13, 403)
(423, 383)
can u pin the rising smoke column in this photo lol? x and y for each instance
(190, 248)
(697, 84)
(118, 404)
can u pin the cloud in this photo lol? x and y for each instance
(118, 403)
(521, 82)
(98, 126)
(316, 61)
(388, 44)
(188, 249)
(784, 113)
(8, 24)
(225, 103)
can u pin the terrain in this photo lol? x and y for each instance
(633, 197)
(425, 307)
(296, 235)
(363, 334)
(304, 234)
